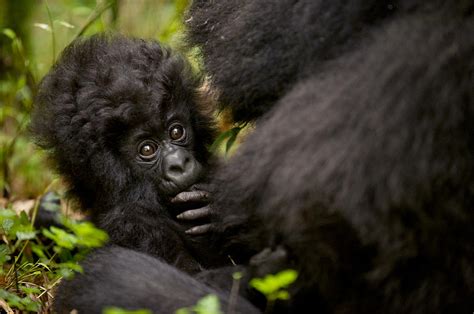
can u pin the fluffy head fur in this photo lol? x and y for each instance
(103, 96)
(101, 88)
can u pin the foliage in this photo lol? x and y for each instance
(116, 310)
(274, 287)
(16, 96)
(33, 261)
(207, 305)
(226, 140)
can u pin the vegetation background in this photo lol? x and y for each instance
(32, 35)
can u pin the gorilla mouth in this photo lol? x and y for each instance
(168, 187)
(171, 188)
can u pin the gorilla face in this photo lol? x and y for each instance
(122, 115)
(164, 156)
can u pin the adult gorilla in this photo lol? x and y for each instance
(361, 167)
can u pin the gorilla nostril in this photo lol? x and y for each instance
(186, 162)
(176, 169)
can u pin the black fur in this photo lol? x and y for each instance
(361, 166)
(103, 94)
(148, 283)
(362, 162)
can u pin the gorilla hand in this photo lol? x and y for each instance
(197, 199)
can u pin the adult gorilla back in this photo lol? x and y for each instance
(361, 166)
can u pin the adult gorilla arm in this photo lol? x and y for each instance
(120, 277)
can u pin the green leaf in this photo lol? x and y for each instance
(12, 299)
(233, 136)
(25, 235)
(230, 136)
(286, 277)
(30, 290)
(282, 295)
(72, 266)
(65, 273)
(61, 237)
(30, 305)
(24, 304)
(7, 213)
(24, 219)
(219, 140)
(272, 286)
(116, 310)
(4, 254)
(8, 220)
(208, 305)
(88, 235)
(7, 225)
(38, 250)
(9, 33)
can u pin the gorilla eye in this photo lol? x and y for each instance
(176, 132)
(147, 150)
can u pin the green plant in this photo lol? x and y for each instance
(274, 287)
(116, 310)
(207, 305)
(16, 97)
(33, 261)
(226, 140)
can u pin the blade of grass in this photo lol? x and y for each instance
(95, 15)
(53, 35)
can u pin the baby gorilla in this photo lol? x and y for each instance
(125, 123)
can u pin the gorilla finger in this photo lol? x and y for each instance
(198, 230)
(191, 196)
(195, 213)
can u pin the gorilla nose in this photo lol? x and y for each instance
(179, 167)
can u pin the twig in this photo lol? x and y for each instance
(234, 292)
